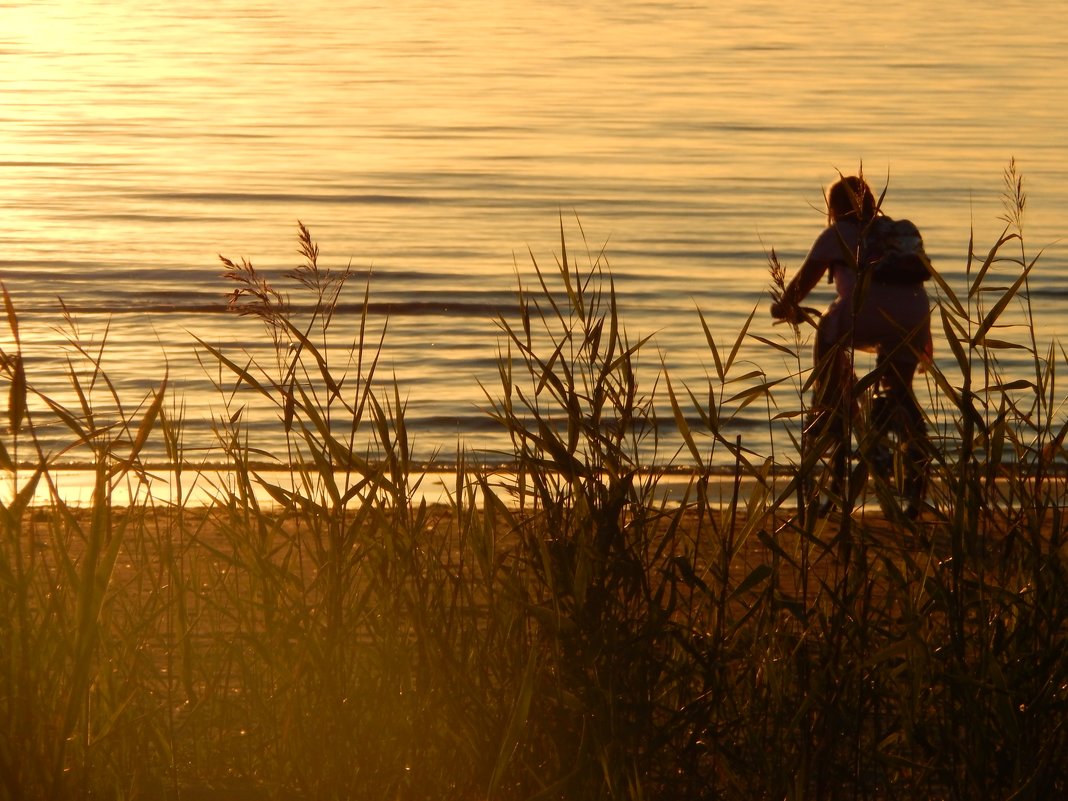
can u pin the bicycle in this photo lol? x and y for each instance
(891, 448)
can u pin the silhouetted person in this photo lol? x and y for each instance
(885, 311)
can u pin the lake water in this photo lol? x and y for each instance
(439, 145)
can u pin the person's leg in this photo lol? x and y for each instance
(903, 415)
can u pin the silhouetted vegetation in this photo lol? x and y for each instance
(563, 631)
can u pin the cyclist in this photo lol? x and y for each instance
(888, 316)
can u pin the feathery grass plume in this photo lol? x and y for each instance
(778, 277)
(254, 294)
(779, 294)
(1013, 197)
(325, 283)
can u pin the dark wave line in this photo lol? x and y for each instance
(399, 308)
(129, 217)
(79, 164)
(65, 263)
(702, 254)
(280, 197)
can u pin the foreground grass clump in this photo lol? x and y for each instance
(560, 632)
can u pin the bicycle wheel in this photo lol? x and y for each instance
(896, 456)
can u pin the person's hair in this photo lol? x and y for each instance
(851, 198)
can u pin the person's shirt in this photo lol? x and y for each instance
(836, 249)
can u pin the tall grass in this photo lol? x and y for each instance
(563, 631)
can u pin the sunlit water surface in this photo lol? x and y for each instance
(439, 146)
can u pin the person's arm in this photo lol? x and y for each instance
(819, 258)
(810, 273)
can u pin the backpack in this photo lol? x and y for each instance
(893, 251)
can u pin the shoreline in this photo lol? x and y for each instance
(204, 486)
